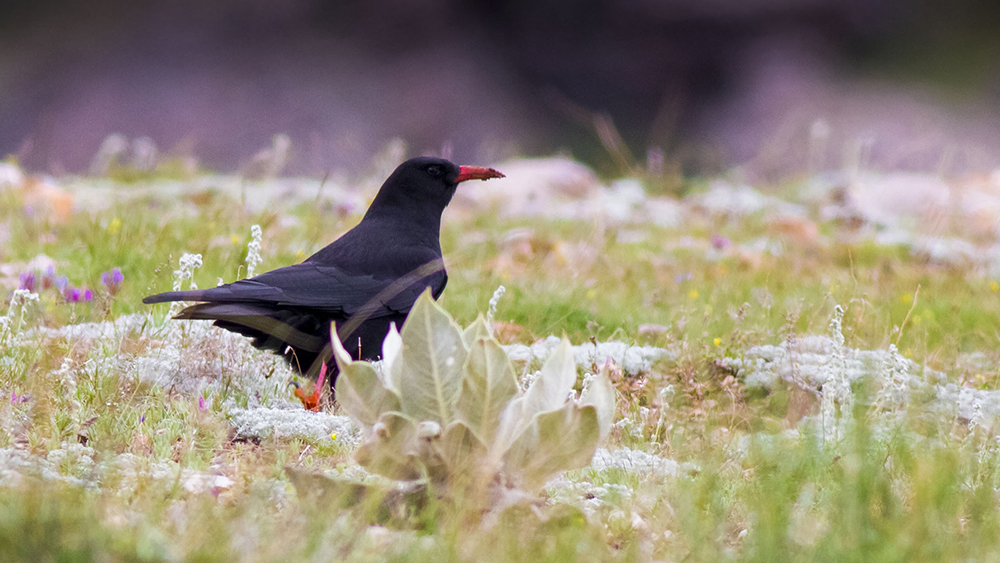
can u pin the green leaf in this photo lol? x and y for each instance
(548, 392)
(460, 447)
(392, 448)
(512, 423)
(555, 441)
(361, 393)
(554, 383)
(475, 331)
(431, 363)
(601, 395)
(339, 352)
(489, 384)
(455, 454)
(391, 348)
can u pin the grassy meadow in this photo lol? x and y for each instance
(773, 426)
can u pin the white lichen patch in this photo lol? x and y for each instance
(593, 498)
(632, 359)
(189, 357)
(812, 361)
(75, 465)
(263, 422)
(636, 462)
(589, 497)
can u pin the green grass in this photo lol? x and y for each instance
(748, 492)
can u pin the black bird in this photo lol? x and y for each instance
(365, 280)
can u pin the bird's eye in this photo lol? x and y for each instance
(435, 170)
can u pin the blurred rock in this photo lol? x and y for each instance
(96, 194)
(532, 187)
(559, 188)
(663, 212)
(726, 200)
(980, 204)
(921, 204)
(887, 200)
(798, 230)
(624, 196)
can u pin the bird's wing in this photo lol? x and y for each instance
(321, 288)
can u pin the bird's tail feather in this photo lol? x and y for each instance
(191, 295)
(298, 330)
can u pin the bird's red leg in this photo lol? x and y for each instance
(311, 402)
(320, 382)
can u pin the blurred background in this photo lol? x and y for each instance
(681, 87)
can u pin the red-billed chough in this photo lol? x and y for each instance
(365, 280)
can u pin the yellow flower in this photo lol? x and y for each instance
(234, 239)
(114, 226)
(333, 436)
(591, 294)
(693, 294)
(906, 298)
(718, 342)
(994, 286)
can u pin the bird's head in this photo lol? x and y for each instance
(427, 182)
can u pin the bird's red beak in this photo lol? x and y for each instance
(476, 173)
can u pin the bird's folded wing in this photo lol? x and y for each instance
(321, 288)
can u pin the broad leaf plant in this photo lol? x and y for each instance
(446, 408)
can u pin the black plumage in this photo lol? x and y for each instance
(366, 280)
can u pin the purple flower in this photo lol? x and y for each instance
(71, 294)
(16, 399)
(113, 280)
(27, 281)
(142, 418)
(720, 242)
(201, 403)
